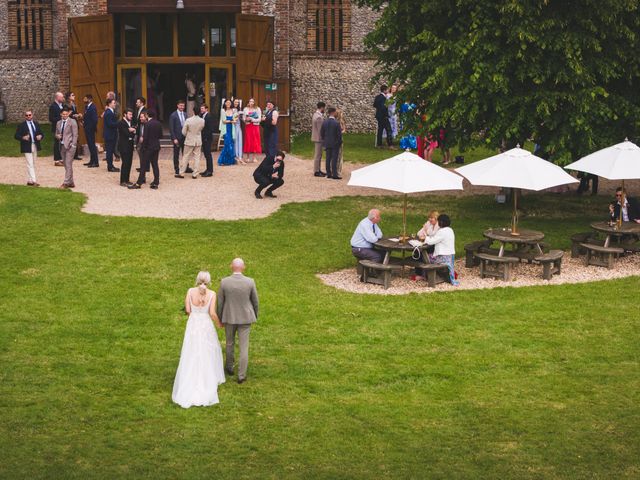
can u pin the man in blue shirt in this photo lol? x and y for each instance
(367, 233)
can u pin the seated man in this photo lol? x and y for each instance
(630, 210)
(367, 233)
(269, 172)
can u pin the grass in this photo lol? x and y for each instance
(10, 147)
(524, 383)
(358, 148)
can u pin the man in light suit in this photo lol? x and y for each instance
(331, 135)
(192, 134)
(29, 134)
(237, 309)
(67, 136)
(316, 125)
(176, 122)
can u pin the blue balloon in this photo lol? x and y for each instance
(409, 142)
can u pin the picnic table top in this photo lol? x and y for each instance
(504, 235)
(386, 243)
(627, 228)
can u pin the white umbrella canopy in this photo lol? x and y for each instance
(618, 162)
(405, 173)
(516, 168)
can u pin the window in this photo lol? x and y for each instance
(217, 36)
(159, 35)
(30, 25)
(328, 23)
(132, 26)
(191, 35)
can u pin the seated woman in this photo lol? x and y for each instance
(444, 241)
(430, 228)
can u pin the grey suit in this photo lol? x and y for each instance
(237, 309)
(68, 144)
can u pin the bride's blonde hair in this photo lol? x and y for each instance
(203, 280)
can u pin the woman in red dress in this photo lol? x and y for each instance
(252, 142)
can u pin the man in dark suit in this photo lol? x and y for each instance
(141, 107)
(269, 172)
(90, 127)
(176, 122)
(110, 132)
(331, 135)
(29, 134)
(207, 138)
(150, 135)
(382, 116)
(55, 112)
(126, 138)
(630, 211)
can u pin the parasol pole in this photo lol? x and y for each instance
(514, 217)
(622, 199)
(404, 219)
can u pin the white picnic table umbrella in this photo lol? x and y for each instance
(405, 173)
(516, 168)
(618, 162)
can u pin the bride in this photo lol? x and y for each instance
(200, 370)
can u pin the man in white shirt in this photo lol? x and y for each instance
(366, 234)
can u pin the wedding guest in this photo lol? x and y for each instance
(382, 117)
(192, 132)
(331, 135)
(444, 241)
(227, 128)
(237, 310)
(116, 111)
(270, 173)
(252, 142)
(444, 138)
(150, 149)
(126, 145)
(190, 86)
(316, 125)
(630, 210)
(110, 132)
(207, 138)
(343, 129)
(431, 227)
(55, 113)
(237, 130)
(391, 107)
(29, 134)
(270, 127)
(176, 122)
(71, 103)
(200, 370)
(365, 235)
(90, 123)
(67, 135)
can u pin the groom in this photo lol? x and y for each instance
(237, 309)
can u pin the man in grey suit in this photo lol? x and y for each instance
(192, 134)
(316, 125)
(67, 135)
(237, 309)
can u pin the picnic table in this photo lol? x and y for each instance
(527, 244)
(628, 233)
(389, 245)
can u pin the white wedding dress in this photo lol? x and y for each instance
(201, 369)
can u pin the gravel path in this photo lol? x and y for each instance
(228, 195)
(525, 275)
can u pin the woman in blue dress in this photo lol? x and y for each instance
(227, 123)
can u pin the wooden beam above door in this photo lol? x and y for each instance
(169, 6)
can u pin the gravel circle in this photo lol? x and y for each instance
(524, 275)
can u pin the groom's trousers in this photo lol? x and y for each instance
(243, 341)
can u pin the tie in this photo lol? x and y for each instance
(374, 228)
(62, 128)
(32, 132)
(181, 119)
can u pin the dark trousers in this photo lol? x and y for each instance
(206, 149)
(263, 181)
(271, 142)
(584, 184)
(149, 157)
(93, 150)
(331, 164)
(383, 124)
(110, 147)
(368, 254)
(57, 154)
(127, 158)
(177, 150)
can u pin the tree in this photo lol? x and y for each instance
(563, 72)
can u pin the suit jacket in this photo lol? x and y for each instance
(331, 133)
(633, 209)
(380, 104)
(266, 168)
(316, 125)
(90, 119)
(192, 131)
(110, 126)
(55, 113)
(136, 119)
(237, 300)
(175, 128)
(209, 126)
(125, 137)
(152, 135)
(70, 133)
(22, 130)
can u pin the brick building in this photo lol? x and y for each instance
(295, 52)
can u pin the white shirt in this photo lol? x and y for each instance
(428, 231)
(366, 234)
(181, 115)
(444, 240)
(32, 131)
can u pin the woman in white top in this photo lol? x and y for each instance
(252, 141)
(430, 228)
(444, 241)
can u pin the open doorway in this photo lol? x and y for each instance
(168, 83)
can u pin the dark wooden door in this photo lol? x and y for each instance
(91, 60)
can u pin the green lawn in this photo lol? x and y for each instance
(10, 147)
(524, 383)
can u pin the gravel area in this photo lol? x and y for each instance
(228, 195)
(524, 275)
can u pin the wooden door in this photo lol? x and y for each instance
(91, 60)
(254, 52)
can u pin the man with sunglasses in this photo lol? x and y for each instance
(630, 209)
(29, 135)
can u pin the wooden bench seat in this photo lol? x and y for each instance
(474, 247)
(601, 256)
(369, 267)
(551, 263)
(435, 273)
(495, 266)
(577, 239)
